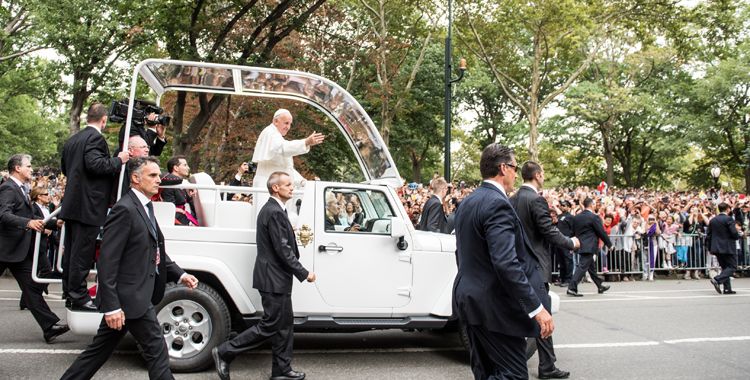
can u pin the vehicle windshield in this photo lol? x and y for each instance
(325, 95)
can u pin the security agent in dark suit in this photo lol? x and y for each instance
(533, 211)
(721, 239)
(133, 270)
(433, 216)
(91, 172)
(275, 265)
(588, 229)
(564, 257)
(17, 224)
(499, 292)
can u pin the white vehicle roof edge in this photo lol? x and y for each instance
(128, 122)
(388, 174)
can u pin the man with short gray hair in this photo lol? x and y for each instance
(17, 226)
(276, 263)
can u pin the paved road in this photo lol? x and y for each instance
(662, 330)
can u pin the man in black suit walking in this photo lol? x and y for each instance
(17, 224)
(588, 229)
(533, 211)
(433, 216)
(91, 172)
(499, 293)
(133, 270)
(276, 262)
(722, 238)
(564, 257)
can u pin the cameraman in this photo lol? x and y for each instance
(155, 137)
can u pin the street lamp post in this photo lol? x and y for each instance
(449, 91)
(715, 173)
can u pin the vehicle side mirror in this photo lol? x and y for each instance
(398, 231)
(398, 227)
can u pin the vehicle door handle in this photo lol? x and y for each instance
(331, 247)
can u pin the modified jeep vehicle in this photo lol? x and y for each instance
(387, 275)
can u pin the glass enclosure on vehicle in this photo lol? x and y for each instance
(346, 113)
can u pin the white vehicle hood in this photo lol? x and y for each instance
(433, 241)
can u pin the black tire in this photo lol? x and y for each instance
(206, 324)
(463, 336)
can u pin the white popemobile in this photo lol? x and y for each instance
(386, 276)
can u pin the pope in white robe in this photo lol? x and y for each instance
(274, 153)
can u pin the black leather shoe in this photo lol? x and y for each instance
(716, 286)
(727, 291)
(574, 293)
(291, 375)
(21, 305)
(88, 306)
(222, 367)
(556, 374)
(54, 331)
(603, 289)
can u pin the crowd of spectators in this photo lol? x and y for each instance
(650, 229)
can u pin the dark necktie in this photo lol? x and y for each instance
(25, 189)
(152, 219)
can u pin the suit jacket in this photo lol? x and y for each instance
(90, 171)
(127, 262)
(565, 224)
(155, 145)
(15, 212)
(722, 235)
(498, 281)
(278, 256)
(589, 229)
(533, 211)
(433, 216)
(50, 225)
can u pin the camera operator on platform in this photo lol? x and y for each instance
(152, 127)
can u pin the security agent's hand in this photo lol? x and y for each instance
(311, 277)
(190, 281)
(36, 225)
(314, 139)
(124, 156)
(546, 323)
(115, 321)
(576, 242)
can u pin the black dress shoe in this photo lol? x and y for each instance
(88, 306)
(291, 375)
(726, 291)
(21, 305)
(222, 367)
(54, 331)
(574, 293)
(716, 286)
(603, 289)
(556, 374)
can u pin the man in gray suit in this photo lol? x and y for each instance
(533, 211)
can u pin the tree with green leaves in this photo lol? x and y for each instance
(536, 50)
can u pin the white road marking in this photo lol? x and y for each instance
(700, 340)
(652, 298)
(607, 345)
(48, 299)
(318, 351)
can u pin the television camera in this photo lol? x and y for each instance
(118, 113)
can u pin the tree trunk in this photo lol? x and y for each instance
(608, 151)
(80, 95)
(533, 134)
(747, 179)
(416, 169)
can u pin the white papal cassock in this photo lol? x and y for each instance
(274, 153)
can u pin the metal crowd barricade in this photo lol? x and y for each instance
(634, 254)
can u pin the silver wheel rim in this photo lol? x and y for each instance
(187, 328)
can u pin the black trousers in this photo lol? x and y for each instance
(31, 292)
(546, 350)
(728, 263)
(564, 259)
(145, 330)
(496, 356)
(277, 326)
(80, 252)
(586, 263)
